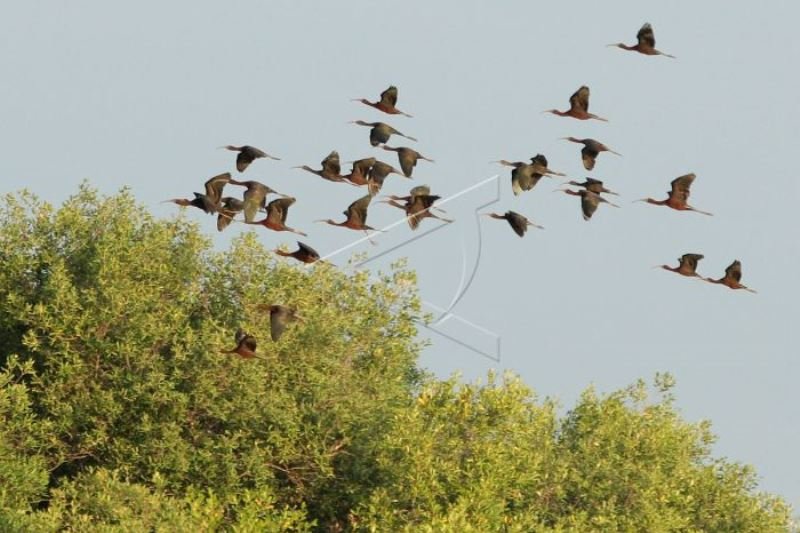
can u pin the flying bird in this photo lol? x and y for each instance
(331, 170)
(525, 176)
(356, 214)
(591, 184)
(377, 174)
(519, 223)
(678, 196)
(732, 278)
(229, 207)
(417, 206)
(408, 158)
(646, 43)
(591, 149)
(246, 346)
(387, 102)
(208, 201)
(589, 201)
(360, 171)
(277, 211)
(304, 253)
(279, 317)
(255, 197)
(380, 132)
(247, 154)
(687, 265)
(578, 106)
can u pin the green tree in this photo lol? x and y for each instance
(119, 410)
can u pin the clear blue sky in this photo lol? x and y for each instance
(142, 94)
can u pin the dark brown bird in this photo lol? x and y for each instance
(408, 158)
(255, 197)
(356, 214)
(591, 149)
(277, 211)
(387, 102)
(360, 171)
(377, 174)
(687, 265)
(228, 209)
(247, 154)
(380, 132)
(578, 106)
(525, 176)
(304, 253)
(589, 201)
(208, 202)
(279, 317)
(732, 278)
(518, 223)
(591, 184)
(679, 195)
(331, 170)
(417, 205)
(246, 346)
(646, 43)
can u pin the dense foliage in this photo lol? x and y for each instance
(119, 411)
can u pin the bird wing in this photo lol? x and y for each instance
(420, 190)
(330, 165)
(646, 36)
(363, 165)
(580, 99)
(408, 160)
(245, 340)
(681, 186)
(243, 160)
(307, 249)
(539, 159)
(734, 271)
(589, 156)
(517, 222)
(278, 210)
(228, 209)
(589, 203)
(357, 211)
(215, 185)
(279, 317)
(690, 260)
(254, 198)
(389, 97)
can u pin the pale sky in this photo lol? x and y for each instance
(141, 95)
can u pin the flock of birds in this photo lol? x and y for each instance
(418, 204)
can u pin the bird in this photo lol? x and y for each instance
(246, 346)
(380, 132)
(519, 223)
(591, 149)
(228, 209)
(646, 43)
(356, 214)
(377, 174)
(578, 106)
(408, 158)
(331, 170)
(417, 205)
(589, 201)
(525, 176)
(247, 154)
(687, 265)
(678, 196)
(304, 253)
(732, 278)
(591, 184)
(360, 171)
(387, 102)
(277, 211)
(279, 317)
(255, 197)
(208, 201)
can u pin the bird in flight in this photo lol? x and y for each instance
(732, 278)
(678, 196)
(687, 265)
(578, 106)
(380, 132)
(519, 223)
(591, 149)
(646, 43)
(387, 103)
(247, 154)
(589, 201)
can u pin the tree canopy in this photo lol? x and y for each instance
(119, 410)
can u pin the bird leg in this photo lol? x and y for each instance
(699, 211)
